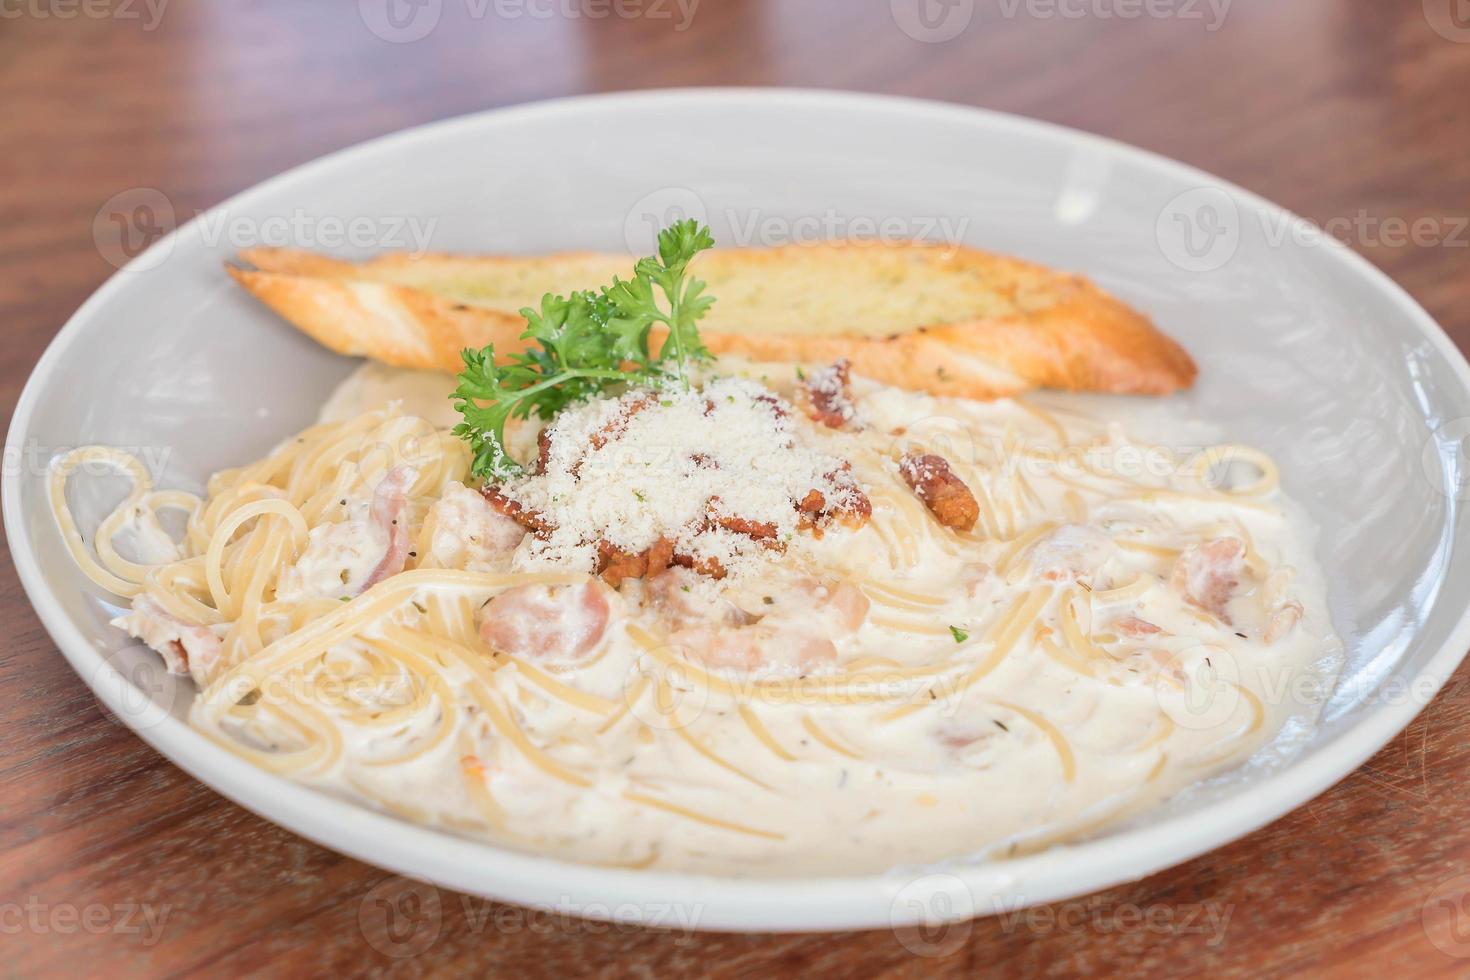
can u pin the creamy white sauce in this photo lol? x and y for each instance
(142, 536)
(424, 394)
(945, 747)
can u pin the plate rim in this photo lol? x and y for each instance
(783, 904)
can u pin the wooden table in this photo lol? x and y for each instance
(1356, 111)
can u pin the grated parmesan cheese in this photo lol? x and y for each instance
(654, 465)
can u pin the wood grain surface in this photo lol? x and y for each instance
(114, 862)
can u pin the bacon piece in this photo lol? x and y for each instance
(774, 403)
(852, 510)
(811, 506)
(945, 494)
(660, 556)
(825, 396)
(619, 424)
(390, 499)
(524, 516)
(547, 622)
(615, 565)
(1207, 574)
(817, 515)
(543, 449)
(763, 532)
(704, 566)
(855, 510)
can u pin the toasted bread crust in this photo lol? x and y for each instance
(1037, 328)
(397, 325)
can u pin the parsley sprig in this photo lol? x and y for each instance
(585, 344)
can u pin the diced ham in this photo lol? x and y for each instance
(944, 493)
(468, 532)
(957, 735)
(548, 622)
(390, 500)
(1072, 551)
(843, 607)
(338, 560)
(800, 633)
(345, 558)
(1207, 574)
(188, 648)
(676, 596)
(1132, 626)
(751, 648)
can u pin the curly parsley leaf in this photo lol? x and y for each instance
(584, 344)
(637, 307)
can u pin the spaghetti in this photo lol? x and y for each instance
(357, 616)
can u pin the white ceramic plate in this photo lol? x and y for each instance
(1306, 350)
